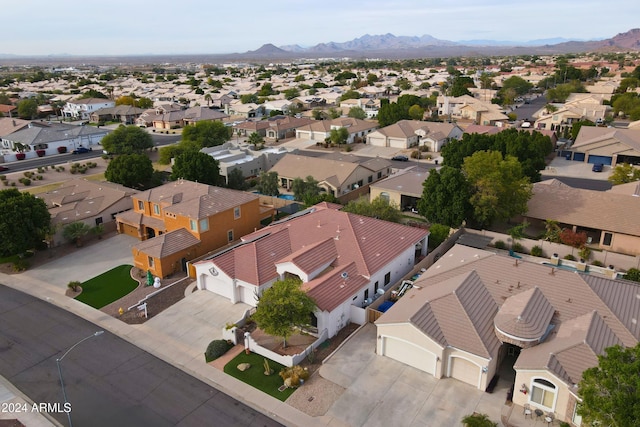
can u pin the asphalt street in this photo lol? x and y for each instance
(107, 380)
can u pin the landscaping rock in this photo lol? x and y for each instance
(244, 366)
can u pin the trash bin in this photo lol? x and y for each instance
(436, 162)
(568, 156)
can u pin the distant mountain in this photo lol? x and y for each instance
(625, 41)
(539, 42)
(373, 43)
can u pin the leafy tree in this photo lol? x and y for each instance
(552, 231)
(561, 92)
(345, 75)
(500, 189)
(609, 391)
(249, 98)
(267, 90)
(632, 274)
(478, 420)
(236, 181)
(24, 222)
(268, 184)
(350, 94)
(205, 134)
(130, 170)
(377, 208)
(334, 113)
(438, 233)
(624, 173)
(283, 307)
(517, 232)
(169, 152)
(575, 127)
(357, 113)
(445, 197)
(416, 112)
(27, 109)
(291, 93)
(305, 190)
(256, 139)
(460, 86)
(92, 93)
(127, 140)
(572, 238)
(75, 231)
(319, 114)
(196, 166)
(339, 136)
(518, 84)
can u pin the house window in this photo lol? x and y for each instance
(156, 209)
(230, 236)
(379, 175)
(140, 205)
(150, 261)
(193, 225)
(370, 179)
(543, 393)
(384, 196)
(236, 212)
(204, 225)
(576, 418)
(366, 294)
(607, 239)
(376, 286)
(387, 278)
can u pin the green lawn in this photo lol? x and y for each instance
(255, 377)
(107, 287)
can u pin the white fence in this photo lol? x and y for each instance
(286, 360)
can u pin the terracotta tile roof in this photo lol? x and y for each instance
(311, 257)
(554, 200)
(336, 287)
(167, 244)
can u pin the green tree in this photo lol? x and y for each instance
(196, 166)
(236, 180)
(28, 109)
(350, 94)
(130, 170)
(610, 391)
(339, 136)
(624, 173)
(291, 93)
(500, 189)
(517, 232)
(438, 233)
(575, 127)
(518, 84)
(357, 113)
(416, 112)
(249, 98)
(268, 184)
(127, 140)
(205, 134)
(305, 190)
(632, 274)
(478, 420)
(24, 222)
(282, 308)
(256, 139)
(75, 231)
(169, 152)
(445, 197)
(377, 208)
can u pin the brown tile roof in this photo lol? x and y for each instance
(367, 243)
(525, 315)
(593, 136)
(9, 125)
(311, 257)
(408, 128)
(554, 200)
(408, 182)
(167, 244)
(332, 171)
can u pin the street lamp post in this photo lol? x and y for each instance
(59, 360)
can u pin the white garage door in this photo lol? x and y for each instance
(409, 354)
(465, 371)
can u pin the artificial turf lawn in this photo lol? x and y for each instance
(107, 287)
(255, 377)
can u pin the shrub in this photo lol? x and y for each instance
(294, 376)
(537, 251)
(569, 257)
(598, 263)
(3, 177)
(62, 150)
(25, 181)
(517, 247)
(28, 174)
(74, 285)
(499, 244)
(216, 348)
(415, 154)
(20, 265)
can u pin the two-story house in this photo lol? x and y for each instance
(82, 109)
(182, 220)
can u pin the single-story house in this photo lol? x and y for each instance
(319, 130)
(403, 188)
(126, 114)
(412, 133)
(609, 146)
(344, 261)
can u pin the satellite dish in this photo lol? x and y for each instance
(344, 275)
(213, 271)
(380, 292)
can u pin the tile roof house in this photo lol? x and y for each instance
(185, 117)
(82, 109)
(475, 311)
(412, 133)
(125, 114)
(342, 259)
(182, 220)
(565, 115)
(91, 202)
(609, 146)
(609, 219)
(403, 188)
(336, 177)
(250, 162)
(319, 130)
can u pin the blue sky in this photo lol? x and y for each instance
(118, 27)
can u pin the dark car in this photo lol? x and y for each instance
(3, 168)
(81, 150)
(400, 158)
(597, 167)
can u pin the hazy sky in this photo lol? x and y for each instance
(118, 27)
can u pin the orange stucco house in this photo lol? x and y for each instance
(183, 220)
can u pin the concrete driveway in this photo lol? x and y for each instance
(383, 392)
(85, 263)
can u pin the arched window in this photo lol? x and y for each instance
(384, 196)
(543, 393)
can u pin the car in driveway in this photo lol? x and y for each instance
(400, 158)
(81, 150)
(597, 167)
(3, 168)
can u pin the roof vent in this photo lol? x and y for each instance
(344, 275)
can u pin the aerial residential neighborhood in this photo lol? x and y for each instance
(373, 233)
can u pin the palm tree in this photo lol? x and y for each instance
(75, 231)
(208, 98)
(478, 420)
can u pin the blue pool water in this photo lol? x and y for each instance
(565, 267)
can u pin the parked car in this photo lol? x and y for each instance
(81, 150)
(400, 158)
(3, 168)
(597, 167)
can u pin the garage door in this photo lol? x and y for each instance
(409, 354)
(605, 160)
(465, 371)
(578, 157)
